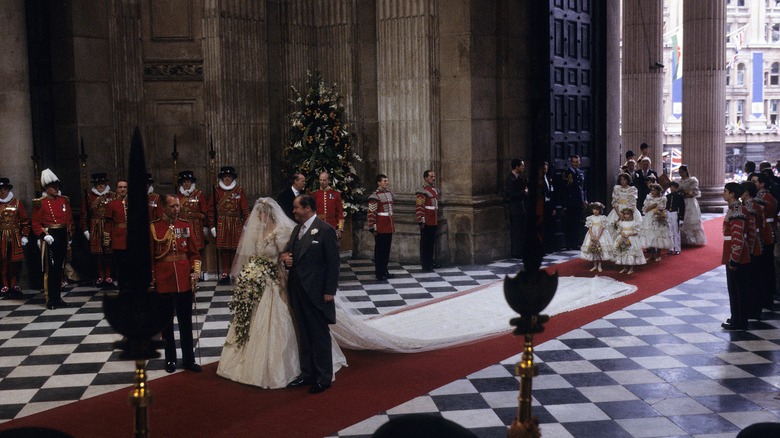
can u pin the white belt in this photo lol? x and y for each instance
(430, 207)
(384, 214)
(771, 219)
(726, 237)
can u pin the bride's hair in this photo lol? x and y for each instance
(267, 218)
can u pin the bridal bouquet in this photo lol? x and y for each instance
(254, 276)
(623, 245)
(594, 248)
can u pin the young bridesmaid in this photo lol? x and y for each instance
(597, 246)
(627, 250)
(655, 226)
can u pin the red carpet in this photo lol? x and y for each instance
(205, 405)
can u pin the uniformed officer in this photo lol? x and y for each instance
(155, 205)
(93, 219)
(177, 265)
(230, 205)
(427, 214)
(768, 233)
(194, 207)
(736, 257)
(574, 200)
(380, 224)
(116, 232)
(329, 206)
(52, 223)
(14, 228)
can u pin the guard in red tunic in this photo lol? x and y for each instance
(427, 212)
(736, 257)
(52, 223)
(155, 205)
(754, 217)
(194, 207)
(14, 228)
(329, 206)
(116, 232)
(176, 271)
(93, 220)
(232, 210)
(768, 232)
(380, 224)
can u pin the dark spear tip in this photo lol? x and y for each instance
(138, 252)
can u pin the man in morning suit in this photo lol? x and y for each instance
(312, 258)
(516, 190)
(286, 197)
(574, 200)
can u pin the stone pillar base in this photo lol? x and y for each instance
(711, 200)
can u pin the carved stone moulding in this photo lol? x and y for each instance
(155, 71)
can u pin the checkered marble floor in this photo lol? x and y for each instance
(662, 367)
(53, 357)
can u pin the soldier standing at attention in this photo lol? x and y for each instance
(14, 228)
(194, 207)
(329, 206)
(93, 218)
(116, 232)
(155, 205)
(380, 224)
(232, 211)
(574, 198)
(52, 223)
(176, 270)
(427, 213)
(736, 257)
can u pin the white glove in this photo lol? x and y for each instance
(49, 239)
(214, 231)
(680, 222)
(205, 231)
(86, 234)
(24, 241)
(39, 243)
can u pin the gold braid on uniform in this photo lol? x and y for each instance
(168, 239)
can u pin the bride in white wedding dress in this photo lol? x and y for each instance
(269, 358)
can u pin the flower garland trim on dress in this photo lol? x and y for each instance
(250, 285)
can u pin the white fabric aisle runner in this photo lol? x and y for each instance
(464, 318)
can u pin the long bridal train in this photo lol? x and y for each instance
(460, 319)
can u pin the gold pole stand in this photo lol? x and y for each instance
(140, 399)
(525, 425)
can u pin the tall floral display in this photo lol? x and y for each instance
(319, 142)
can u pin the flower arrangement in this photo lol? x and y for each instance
(623, 245)
(320, 142)
(251, 282)
(661, 218)
(594, 247)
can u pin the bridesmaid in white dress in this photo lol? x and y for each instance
(627, 249)
(269, 358)
(655, 234)
(691, 231)
(623, 195)
(597, 246)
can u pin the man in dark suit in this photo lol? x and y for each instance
(516, 190)
(312, 257)
(286, 197)
(574, 199)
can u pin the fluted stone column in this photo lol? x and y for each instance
(704, 85)
(235, 76)
(16, 144)
(124, 31)
(642, 77)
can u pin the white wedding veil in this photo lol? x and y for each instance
(267, 217)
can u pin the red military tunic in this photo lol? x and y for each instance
(155, 207)
(735, 245)
(194, 209)
(329, 207)
(51, 212)
(380, 212)
(755, 216)
(232, 212)
(427, 205)
(768, 228)
(174, 252)
(97, 220)
(116, 223)
(14, 223)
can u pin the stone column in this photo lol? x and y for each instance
(643, 77)
(16, 144)
(236, 90)
(704, 85)
(615, 154)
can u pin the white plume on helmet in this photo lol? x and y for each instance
(48, 177)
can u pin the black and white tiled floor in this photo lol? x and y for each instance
(661, 367)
